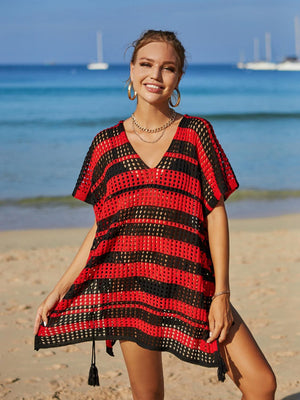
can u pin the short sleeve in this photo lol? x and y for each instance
(82, 190)
(217, 176)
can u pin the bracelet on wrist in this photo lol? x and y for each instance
(220, 294)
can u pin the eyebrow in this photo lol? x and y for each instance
(150, 59)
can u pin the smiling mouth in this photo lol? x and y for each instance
(151, 86)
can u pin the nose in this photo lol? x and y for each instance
(156, 73)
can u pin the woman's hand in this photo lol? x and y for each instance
(45, 308)
(66, 280)
(220, 318)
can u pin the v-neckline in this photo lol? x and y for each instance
(164, 155)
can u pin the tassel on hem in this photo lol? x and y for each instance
(222, 369)
(93, 374)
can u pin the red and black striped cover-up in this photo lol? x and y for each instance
(149, 276)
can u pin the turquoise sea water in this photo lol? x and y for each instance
(50, 114)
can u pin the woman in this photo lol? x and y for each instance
(153, 271)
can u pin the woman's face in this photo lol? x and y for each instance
(155, 73)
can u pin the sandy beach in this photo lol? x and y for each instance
(265, 285)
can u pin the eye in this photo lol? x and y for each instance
(145, 64)
(170, 68)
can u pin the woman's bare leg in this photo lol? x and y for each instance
(247, 365)
(144, 370)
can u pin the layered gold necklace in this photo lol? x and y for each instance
(163, 128)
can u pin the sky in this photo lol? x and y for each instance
(212, 31)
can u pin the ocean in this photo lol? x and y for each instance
(50, 114)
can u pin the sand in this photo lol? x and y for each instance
(265, 264)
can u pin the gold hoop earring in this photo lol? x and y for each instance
(177, 101)
(130, 86)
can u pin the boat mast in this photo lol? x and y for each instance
(99, 47)
(256, 49)
(268, 47)
(297, 37)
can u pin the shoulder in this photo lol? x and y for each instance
(203, 134)
(106, 134)
(201, 126)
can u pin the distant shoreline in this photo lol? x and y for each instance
(114, 65)
(67, 212)
(69, 201)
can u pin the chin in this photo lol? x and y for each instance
(154, 100)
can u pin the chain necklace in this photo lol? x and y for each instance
(165, 126)
(146, 141)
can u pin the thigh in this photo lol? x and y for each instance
(145, 370)
(247, 365)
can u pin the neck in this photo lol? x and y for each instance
(152, 116)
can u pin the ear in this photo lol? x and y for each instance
(179, 79)
(131, 71)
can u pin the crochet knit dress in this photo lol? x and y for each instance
(149, 277)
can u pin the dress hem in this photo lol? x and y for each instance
(219, 362)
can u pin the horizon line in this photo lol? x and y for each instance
(54, 64)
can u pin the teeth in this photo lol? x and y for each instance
(153, 86)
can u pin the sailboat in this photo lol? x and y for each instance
(288, 64)
(258, 64)
(292, 63)
(99, 65)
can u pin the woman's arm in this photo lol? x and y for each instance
(65, 282)
(220, 316)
